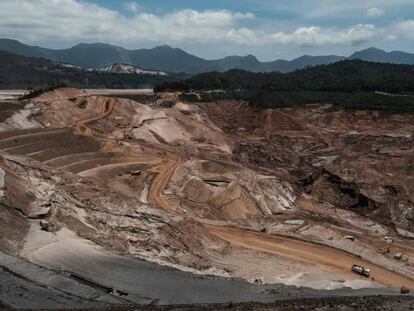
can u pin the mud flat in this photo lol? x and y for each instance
(25, 285)
(143, 282)
(377, 303)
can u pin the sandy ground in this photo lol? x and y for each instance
(241, 253)
(329, 258)
(142, 281)
(147, 282)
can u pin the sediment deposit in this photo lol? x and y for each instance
(272, 196)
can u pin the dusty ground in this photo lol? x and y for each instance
(219, 189)
(370, 303)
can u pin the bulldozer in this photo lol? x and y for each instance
(383, 250)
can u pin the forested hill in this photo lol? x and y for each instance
(352, 83)
(231, 80)
(19, 72)
(344, 76)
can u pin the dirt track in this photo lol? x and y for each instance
(166, 171)
(161, 180)
(106, 109)
(331, 259)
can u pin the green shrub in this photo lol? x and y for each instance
(37, 92)
(346, 85)
(380, 102)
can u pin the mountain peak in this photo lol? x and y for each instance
(373, 49)
(381, 56)
(251, 58)
(92, 45)
(370, 52)
(165, 47)
(170, 59)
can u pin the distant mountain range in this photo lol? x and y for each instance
(167, 59)
(380, 56)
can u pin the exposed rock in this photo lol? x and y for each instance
(151, 181)
(232, 202)
(359, 161)
(50, 226)
(295, 222)
(257, 281)
(2, 182)
(13, 229)
(405, 233)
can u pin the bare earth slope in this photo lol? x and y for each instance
(92, 183)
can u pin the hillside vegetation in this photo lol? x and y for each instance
(19, 72)
(348, 84)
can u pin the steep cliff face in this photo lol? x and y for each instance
(361, 161)
(326, 187)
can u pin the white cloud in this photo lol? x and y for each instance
(404, 29)
(73, 20)
(375, 12)
(343, 9)
(31, 20)
(306, 36)
(132, 7)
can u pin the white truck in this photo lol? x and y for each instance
(361, 270)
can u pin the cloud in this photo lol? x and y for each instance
(31, 20)
(306, 36)
(132, 7)
(348, 9)
(375, 12)
(73, 20)
(403, 29)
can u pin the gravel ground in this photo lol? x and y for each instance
(381, 303)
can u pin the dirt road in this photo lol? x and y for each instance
(329, 258)
(160, 182)
(173, 160)
(105, 110)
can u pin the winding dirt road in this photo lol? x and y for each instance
(173, 160)
(82, 128)
(161, 180)
(332, 259)
(329, 258)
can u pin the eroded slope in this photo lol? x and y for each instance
(217, 188)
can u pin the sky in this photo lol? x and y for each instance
(268, 29)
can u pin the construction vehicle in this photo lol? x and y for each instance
(361, 270)
(383, 250)
(134, 172)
